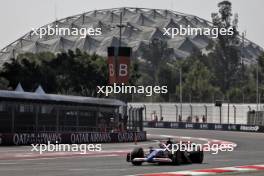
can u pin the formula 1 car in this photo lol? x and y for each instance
(163, 156)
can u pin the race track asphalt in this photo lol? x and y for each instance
(249, 150)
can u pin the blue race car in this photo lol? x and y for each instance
(161, 156)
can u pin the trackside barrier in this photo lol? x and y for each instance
(70, 138)
(205, 126)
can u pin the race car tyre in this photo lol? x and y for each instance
(128, 159)
(137, 153)
(197, 157)
(176, 158)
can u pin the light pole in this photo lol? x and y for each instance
(120, 26)
(257, 92)
(242, 64)
(181, 90)
(257, 87)
(180, 70)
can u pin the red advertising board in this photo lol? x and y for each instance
(123, 69)
(111, 69)
(119, 64)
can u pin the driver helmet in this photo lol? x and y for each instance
(161, 145)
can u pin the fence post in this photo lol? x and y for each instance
(130, 114)
(145, 111)
(220, 111)
(160, 111)
(176, 107)
(234, 114)
(191, 110)
(205, 109)
(228, 112)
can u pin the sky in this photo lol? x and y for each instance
(18, 17)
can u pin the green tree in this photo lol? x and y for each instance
(4, 84)
(27, 69)
(157, 53)
(226, 53)
(68, 73)
(197, 83)
(79, 73)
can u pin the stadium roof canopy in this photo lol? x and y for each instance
(141, 26)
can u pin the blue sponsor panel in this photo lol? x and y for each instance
(205, 126)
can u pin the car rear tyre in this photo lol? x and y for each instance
(137, 153)
(197, 157)
(128, 159)
(176, 158)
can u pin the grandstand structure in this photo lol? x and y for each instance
(40, 112)
(141, 26)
